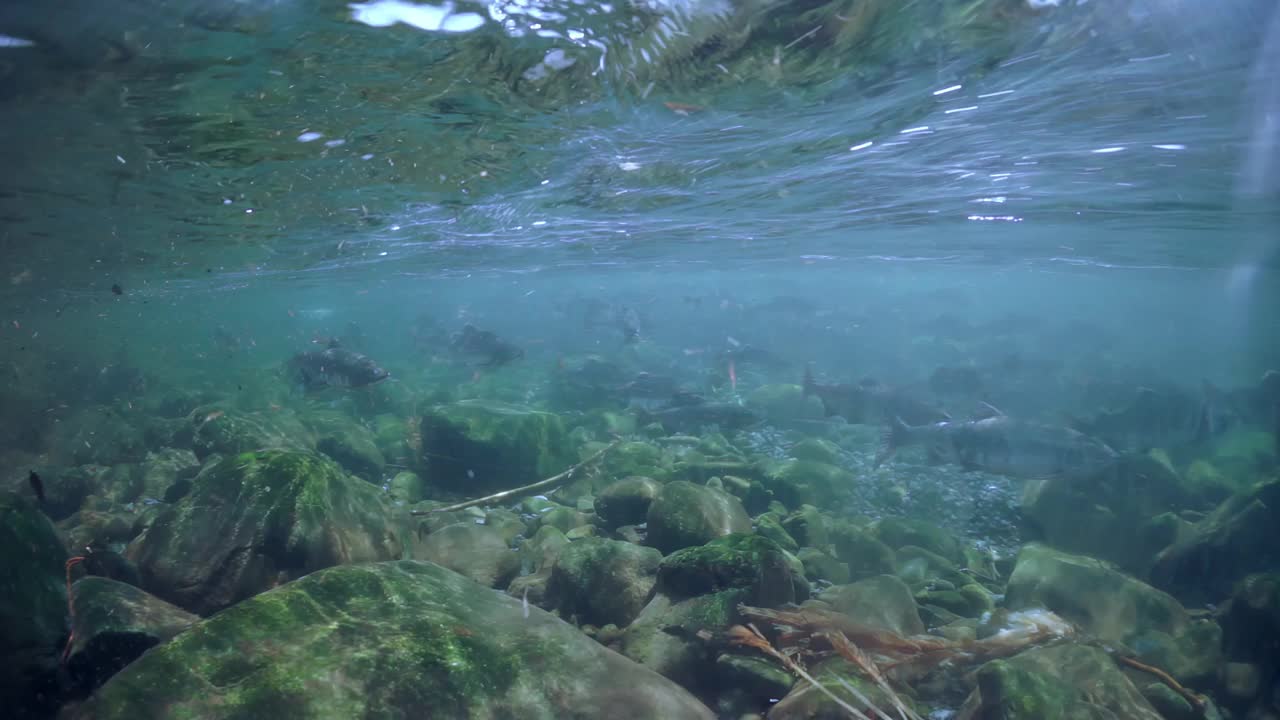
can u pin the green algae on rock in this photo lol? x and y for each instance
(1106, 515)
(739, 561)
(1117, 608)
(348, 443)
(806, 482)
(806, 702)
(474, 447)
(113, 623)
(686, 515)
(392, 639)
(1064, 682)
(33, 603)
(211, 429)
(255, 519)
(1236, 539)
(861, 551)
(626, 501)
(603, 581)
(883, 601)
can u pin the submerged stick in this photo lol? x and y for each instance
(1196, 701)
(540, 485)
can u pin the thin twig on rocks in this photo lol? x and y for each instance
(550, 482)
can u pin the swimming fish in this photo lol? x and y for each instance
(871, 402)
(1003, 445)
(336, 366)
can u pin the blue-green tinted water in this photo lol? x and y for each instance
(1058, 216)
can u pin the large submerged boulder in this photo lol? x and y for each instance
(686, 515)
(113, 624)
(1116, 515)
(33, 606)
(475, 447)
(258, 519)
(1117, 608)
(1236, 539)
(394, 639)
(1065, 682)
(603, 581)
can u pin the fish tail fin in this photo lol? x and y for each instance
(897, 434)
(810, 386)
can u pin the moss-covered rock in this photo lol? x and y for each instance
(756, 679)
(805, 482)
(634, 458)
(1242, 452)
(563, 519)
(883, 601)
(967, 601)
(256, 519)
(215, 430)
(1235, 540)
(476, 551)
(898, 532)
(349, 443)
(395, 438)
(507, 524)
(808, 526)
(1117, 608)
(664, 637)
(603, 581)
(114, 623)
(626, 501)
(819, 565)
(407, 487)
(149, 480)
(861, 551)
(33, 606)
(768, 525)
(1064, 682)
(806, 702)
(405, 638)
(687, 515)
(750, 562)
(475, 447)
(1105, 515)
(921, 569)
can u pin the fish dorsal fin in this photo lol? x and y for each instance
(987, 411)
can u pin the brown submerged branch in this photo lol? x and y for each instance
(749, 636)
(550, 482)
(1196, 701)
(876, 652)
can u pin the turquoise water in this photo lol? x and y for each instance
(1074, 202)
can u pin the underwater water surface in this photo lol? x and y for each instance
(661, 359)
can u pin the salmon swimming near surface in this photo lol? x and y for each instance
(1003, 445)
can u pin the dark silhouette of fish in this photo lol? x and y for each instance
(1003, 445)
(37, 485)
(871, 402)
(335, 366)
(492, 350)
(629, 324)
